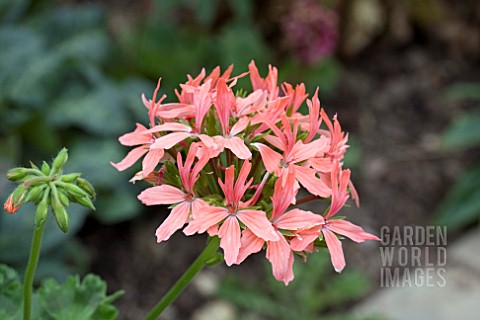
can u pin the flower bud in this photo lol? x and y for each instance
(59, 212)
(73, 190)
(19, 195)
(71, 177)
(84, 201)
(63, 197)
(59, 161)
(87, 187)
(36, 193)
(16, 174)
(45, 168)
(42, 212)
(9, 206)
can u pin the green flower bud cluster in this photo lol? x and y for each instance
(47, 187)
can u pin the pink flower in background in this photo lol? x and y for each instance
(311, 30)
(232, 163)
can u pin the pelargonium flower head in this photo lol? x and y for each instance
(231, 163)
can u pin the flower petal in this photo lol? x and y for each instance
(335, 248)
(163, 194)
(250, 244)
(169, 140)
(307, 178)
(298, 219)
(229, 234)
(257, 221)
(197, 206)
(281, 258)
(138, 136)
(271, 159)
(350, 230)
(130, 159)
(238, 147)
(151, 160)
(210, 216)
(175, 220)
(170, 126)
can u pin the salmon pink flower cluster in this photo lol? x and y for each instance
(231, 164)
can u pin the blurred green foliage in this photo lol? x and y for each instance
(461, 206)
(315, 291)
(73, 300)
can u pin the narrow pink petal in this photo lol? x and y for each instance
(271, 159)
(169, 140)
(131, 158)
(281, 258)
(250, 244)
(197, 206)
(354, 193)
(301, 151)
(335, 248)
(298, 219)
(208, 141)
(307, 178)
(350, 230)
(275, 141)
(175, 220)
(239, 126)
(339, 193)
(163, 194)
(151, 160)
(227, 187)
(257, 81)
(238, 147)
(229, 234)
(210, 216)
(170, 126)
(240, 185)
(175, 110)
(257, 221)
(138, 136)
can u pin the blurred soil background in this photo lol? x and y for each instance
(403, 77)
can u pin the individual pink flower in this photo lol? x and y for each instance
(144, 140)
(187, 205)
(224, 104)
(294, 153)
(233, 213)
(279, 252)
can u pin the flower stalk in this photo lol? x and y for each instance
(202, 260)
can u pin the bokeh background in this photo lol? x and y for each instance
(402, 75)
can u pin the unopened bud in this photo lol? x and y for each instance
(36, 193)
(71, 177)
(87, 187)
(45, 168)
(63, 198)
(9, 206)
(59, 212)
(16, 174)
(42, 212)
(84, 201)
(73, 190)
(60, 160)
(19, 195)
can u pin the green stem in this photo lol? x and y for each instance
(185, 279)
(31, 268)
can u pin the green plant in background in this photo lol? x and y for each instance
(49, 189)
(59, 67)
(462, 204)
(316, 290)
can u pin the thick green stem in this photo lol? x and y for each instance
(31, 268)
(185, 279)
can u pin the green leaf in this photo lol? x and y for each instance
(10, 294)
(464, 132)
(76, 300)
(462, 204)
